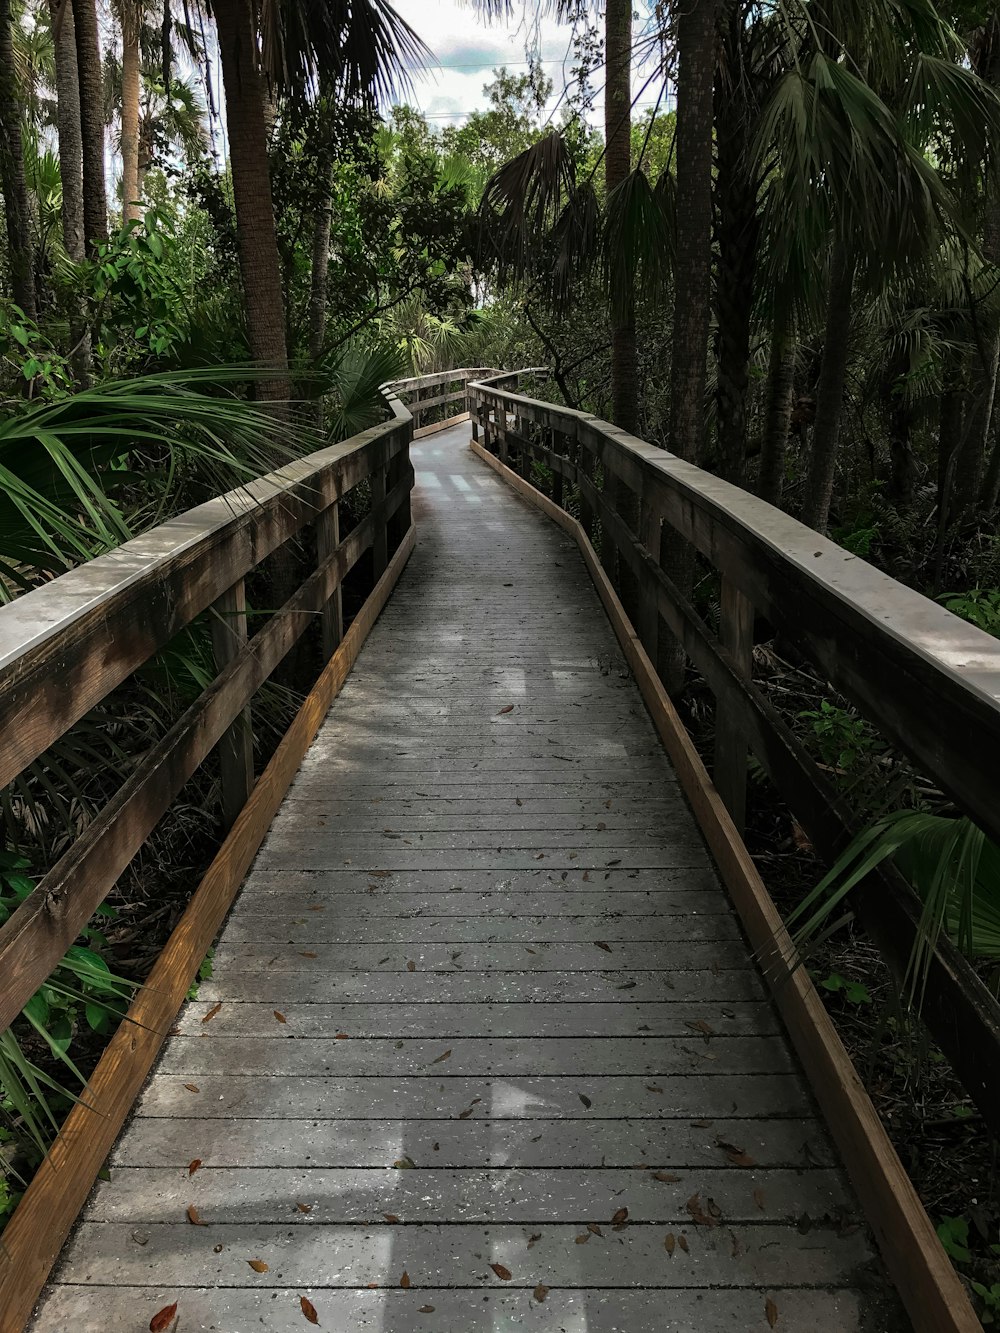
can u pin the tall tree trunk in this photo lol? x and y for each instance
(991, 485)
(88, 63)
(830, 390)
(693, 267)
(617, 166)
(737, 232)
(130, 111)
(70, 139)
(260, 264)
(320, 266)
(777, 411)
(21, 250)
(951, 421)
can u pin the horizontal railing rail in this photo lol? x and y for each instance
(433, 399)
(927, 681)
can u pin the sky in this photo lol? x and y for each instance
(466, 49)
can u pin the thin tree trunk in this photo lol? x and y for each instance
(21, 250)
(830, 390)
(70, 139)
(617, 166)
(88, 63)
(260, 264)
(693, 268)
(130, 112)
(777, 412)
(320, 266)
(991, 485)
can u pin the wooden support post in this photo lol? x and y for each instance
(736, 637)
(399, 524)
(557, 477)
(609, 551)
(332, 615)
(500, 426)
(585, 468)
(229, 634)
(650, 534)
(380, 541)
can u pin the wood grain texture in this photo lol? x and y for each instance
(924, 1277)
(43, 1218)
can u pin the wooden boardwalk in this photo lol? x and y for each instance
(483, 1048)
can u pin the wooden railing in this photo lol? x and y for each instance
(66, 646)
(440, 399)
(929, 682)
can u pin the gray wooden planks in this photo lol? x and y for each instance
(481, 989)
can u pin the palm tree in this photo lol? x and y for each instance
(91, 84)
(130, 18)
(362, 48)
(617, 168)
(696, 41)
(12, 178)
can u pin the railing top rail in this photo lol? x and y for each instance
(930, 680)
(440, 377)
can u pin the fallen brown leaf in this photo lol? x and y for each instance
(594, 1229)
(279, 1016)
(341, 1036)
(620, 1216)
(193, 1217)
(193, 1166)
(586, 1100)
(192, 1087)
(699, 1025)
(738, 1156)
(426, 1309)
(307, 953)
(411, 966)
(758, 1198)
(308, 1309)
(207, 1018)
(304, 1207)
(507, 708)
(670, 1243)
(439, 1058)
(532, 1240)
(771, 1311)
(163, 1319)
(707, 1216)
(682, 1241)
(504, 1274)
(603, 944)
(404, 1281)
(666, 1177)
(259, 1266)
(583, 1237)
(540, 1292)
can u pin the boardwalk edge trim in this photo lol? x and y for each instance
(33, 1239)
(928, 1286)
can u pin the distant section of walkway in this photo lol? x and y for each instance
(483, 1049)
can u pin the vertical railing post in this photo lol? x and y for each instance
(229, 635)
(650, 534)
(736, 619)
(380, 540)
(472, 407)
(585, 469)
(332, 615)
(399, 467)
(549, 432)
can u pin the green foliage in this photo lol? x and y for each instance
(952, 865)
(979, 606)
(854, 992)
(953, 1233)
(846, 742)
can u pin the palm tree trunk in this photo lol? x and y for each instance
(617, 165)
(70, 140)
(260, 264)
(777, 412)
(320, 266)
(21, 250)
(130, 112)
(88, 63)
(830, 390)
(693, 268)
(991, 485)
